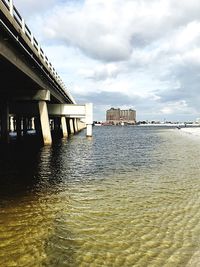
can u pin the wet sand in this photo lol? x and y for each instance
(195, 132)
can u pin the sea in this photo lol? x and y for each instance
(128, 196)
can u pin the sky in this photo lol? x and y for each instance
(139, 54)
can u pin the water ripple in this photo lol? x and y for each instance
(127, 197)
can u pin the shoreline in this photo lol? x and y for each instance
(190, 131)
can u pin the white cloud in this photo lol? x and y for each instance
(147, 50)
(101, 72)
(29, 8)
(179, 106)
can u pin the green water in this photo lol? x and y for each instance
(127, 197)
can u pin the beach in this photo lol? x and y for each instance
(193, 131)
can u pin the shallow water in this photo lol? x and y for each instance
(126, 197)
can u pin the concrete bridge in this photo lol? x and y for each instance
(32, 94)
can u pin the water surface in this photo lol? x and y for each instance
(129, 196)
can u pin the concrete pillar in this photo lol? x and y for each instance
(12, 128)
(51, 124)
(5, 122)
(89, 118)
(89, 130)
(44, 122)
(71, 125)
(64, 127)
(75, 125)
(32, 124)
(14, 124)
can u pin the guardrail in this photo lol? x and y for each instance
(14, 13)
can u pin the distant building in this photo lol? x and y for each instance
(118, 116)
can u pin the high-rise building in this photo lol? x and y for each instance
(118, 116)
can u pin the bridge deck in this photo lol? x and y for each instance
(14, 32)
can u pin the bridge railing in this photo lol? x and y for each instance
(33, 41)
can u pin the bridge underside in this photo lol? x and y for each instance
(11, 79)
(26, 87)
(23, 107)
(46, 120)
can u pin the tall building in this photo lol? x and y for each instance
(118, 116)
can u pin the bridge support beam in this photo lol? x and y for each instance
(71, 125)
(64, 127)
(89, 119)
(44, 122)
(75, 125)
(12, 128)
(32, 124)
(89, 130)
(74, 113)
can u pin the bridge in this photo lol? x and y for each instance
(32, 94)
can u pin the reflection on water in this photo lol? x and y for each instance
(128, 197)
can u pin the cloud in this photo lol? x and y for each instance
(33, 7)
(110, 31)
(110, 99)
(92, 29)
(124, 52)
(179, 106)
(101, 72)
